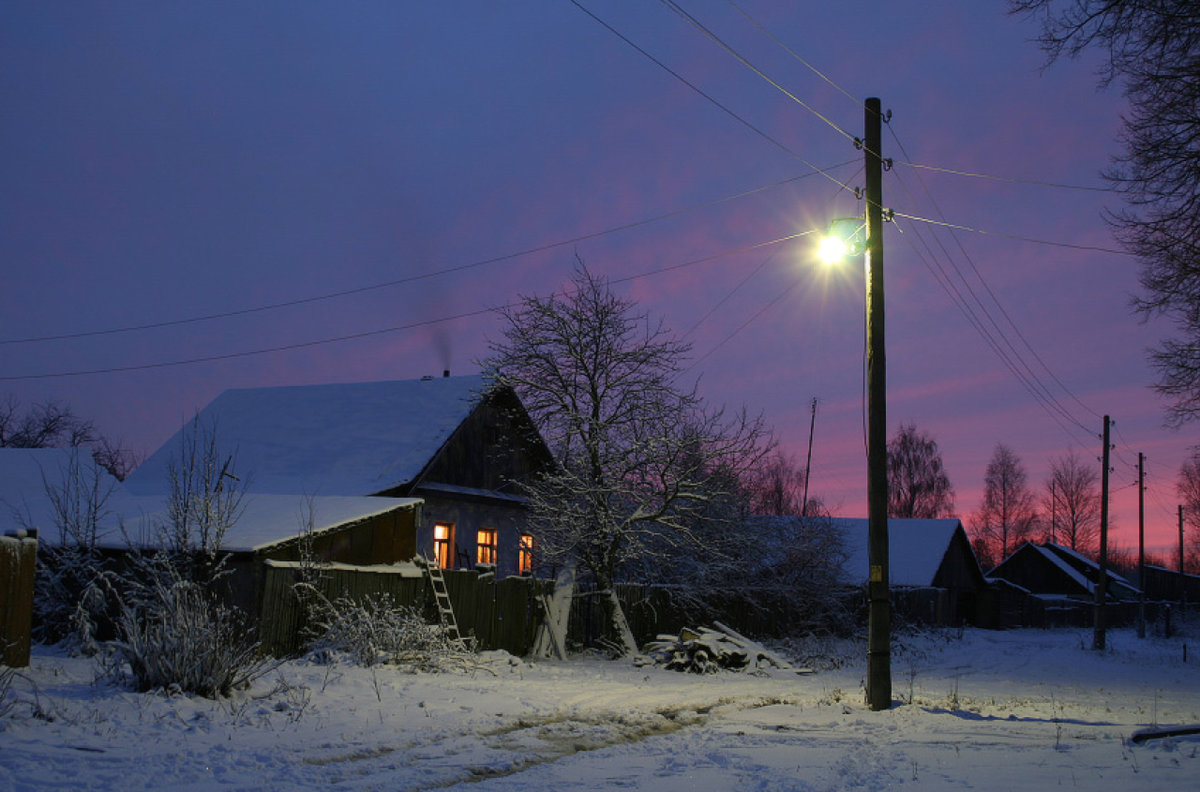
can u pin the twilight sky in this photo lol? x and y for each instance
(359, 182)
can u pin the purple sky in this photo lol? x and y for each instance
(167, 161)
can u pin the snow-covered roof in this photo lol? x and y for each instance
(266, 519)
(1074, 574)
(916, 548)
(332, 439)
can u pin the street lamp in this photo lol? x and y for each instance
(879, 613)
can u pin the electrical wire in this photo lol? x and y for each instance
(994, 299)
(792, 52)
(421, 276)
(700, 26)
(1006, 179)
(1018, 237)
(378, 331)
(783, 147)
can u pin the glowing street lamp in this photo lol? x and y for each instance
(844, 240)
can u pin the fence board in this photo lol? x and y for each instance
(18, 560)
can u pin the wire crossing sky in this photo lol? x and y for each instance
(207, 196)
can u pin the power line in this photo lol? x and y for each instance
(706, 96)
(379, 331)
(995, 300)
(1006, 179)
(696, 23)
(1018, 237)
(422, 276)
(792, 52)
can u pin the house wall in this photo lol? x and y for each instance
(468, 515)
(382, 539)
(492, 449)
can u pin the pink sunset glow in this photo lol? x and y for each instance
(182, 160)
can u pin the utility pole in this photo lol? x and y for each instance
(1141, 617)
(1102, 583)
(1053, 512)
(812, 425)
(879, 609)
(1182, 580)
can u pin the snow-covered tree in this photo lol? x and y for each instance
(645, 470)
(1008, 514)
(204, 500)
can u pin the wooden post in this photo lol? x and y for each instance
(1141, 614)
(879, 614)
(1098, 637)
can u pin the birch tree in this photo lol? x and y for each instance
(645, 470)
(1008, 514)
(918, 485)
(1072, 500)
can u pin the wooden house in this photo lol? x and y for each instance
(933, 572)
(1052, 570)
(459, 445)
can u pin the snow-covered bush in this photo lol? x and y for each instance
(175, 634)
(374, 630)
(6, 679)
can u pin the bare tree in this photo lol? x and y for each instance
(204, 500)
(1152, 47)
(1072, 501)
(644, 468)
(54, 425)
(1188, 487)
(74, 586)
(776, 486)
(47, 425)
(917, 482)
(1008, 515)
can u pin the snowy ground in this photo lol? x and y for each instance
(1015, 710)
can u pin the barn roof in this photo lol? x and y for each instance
(916, 548)
(267, 520)
(331, 439)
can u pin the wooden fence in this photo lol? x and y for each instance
(498, 614)
(502, 614)
(18, 558)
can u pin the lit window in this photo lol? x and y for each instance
(485, 546)
(443, 545)
(525, 555)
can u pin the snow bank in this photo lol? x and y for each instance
(1018, 710)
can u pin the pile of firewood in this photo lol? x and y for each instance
(706, 651)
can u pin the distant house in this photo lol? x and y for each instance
(933, 556)
(1052, 570)
(933, 574)
(1167, 585)
(459, 445)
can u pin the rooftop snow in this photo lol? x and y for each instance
(333, 439)
(916, 548)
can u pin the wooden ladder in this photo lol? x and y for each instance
(442, 597)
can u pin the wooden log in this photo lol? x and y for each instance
(1159, 733)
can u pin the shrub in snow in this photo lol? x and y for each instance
(174, 634)
(75, 598)
(374, 630)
